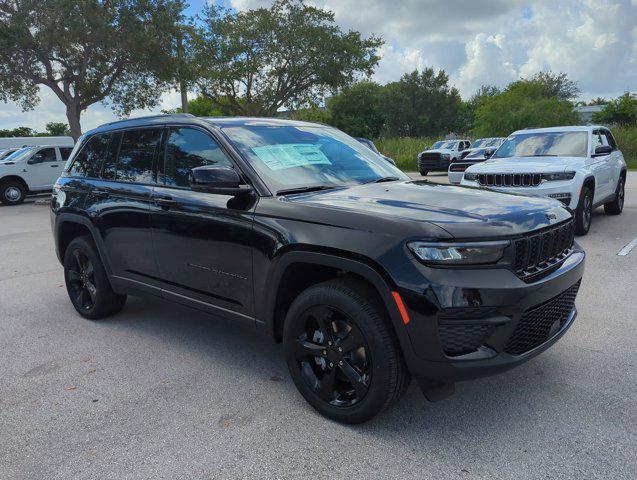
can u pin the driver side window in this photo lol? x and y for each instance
(46, 155)
(187, 148)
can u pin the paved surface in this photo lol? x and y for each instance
(164, 392)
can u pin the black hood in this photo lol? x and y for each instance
(464, 212)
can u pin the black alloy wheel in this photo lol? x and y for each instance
(584, 211)
(81, 276)
(342, 352)
(333, 356)
(87, 282)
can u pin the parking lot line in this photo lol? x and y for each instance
(628, 247)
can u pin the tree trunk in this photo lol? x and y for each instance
(184, 96)
(73, 117)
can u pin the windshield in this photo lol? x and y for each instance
(480, 142)
(288, 157)
(18, 154)
(437, 145)
(544, 144)
(477, 153)
(444, 145)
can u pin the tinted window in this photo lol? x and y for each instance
(136, 155)
(65, 152)
(89, 160)
(186, 149)
(48, 154)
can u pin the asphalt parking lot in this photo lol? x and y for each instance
(160, 391)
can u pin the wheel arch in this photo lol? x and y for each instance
(16, 178)
(71, 225)
(325, 266)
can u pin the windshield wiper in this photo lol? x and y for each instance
(310, 188)
(384, 179)
(545, 155)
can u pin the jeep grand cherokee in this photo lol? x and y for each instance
(298, 230)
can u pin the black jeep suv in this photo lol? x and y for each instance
(298, 230)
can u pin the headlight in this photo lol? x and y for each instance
(473, 253)
(558, 176)
(470, 176)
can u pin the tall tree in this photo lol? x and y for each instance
(422, 104)
(288, 55)
(87, 51)
(357, 110)
(555, 85)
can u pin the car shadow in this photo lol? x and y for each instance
(489, 405)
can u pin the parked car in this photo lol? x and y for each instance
(581, 166)
(19, 142)
(440, 155)
(298, 230)
(457, 168)
(30, 170)
(369, 144)
(481, 143)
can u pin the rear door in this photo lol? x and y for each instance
(119, 203)
(202, 240)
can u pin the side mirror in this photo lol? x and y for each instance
(488, 153)
(603, 150)
(216, 179)
(37, 158)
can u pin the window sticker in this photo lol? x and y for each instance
(290, 155)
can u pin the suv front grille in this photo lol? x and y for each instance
(542, 250)
(539, 323)
(430, 159)
(509, 179)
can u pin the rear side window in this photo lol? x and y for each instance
(65, 152)
(136, 155)
(88, 161)
(186, 149)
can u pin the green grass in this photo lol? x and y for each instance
(405, 150)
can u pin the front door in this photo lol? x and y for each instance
(601, 167)
(43, 168)
(202, 241)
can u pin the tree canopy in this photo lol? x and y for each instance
(358, 110)
(621, 111)
(86, 51)
(288, 55)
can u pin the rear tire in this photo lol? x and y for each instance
(368, 375)
(12, 192)
(584, 211)
(617, 205)
(87, 283)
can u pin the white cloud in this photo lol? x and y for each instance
(475, 42)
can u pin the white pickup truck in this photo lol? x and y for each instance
(31, 170)
(440, 155)
(581, 166)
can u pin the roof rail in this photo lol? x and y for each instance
(150, 116)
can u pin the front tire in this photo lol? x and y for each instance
(584, 211)
(12, 192)
(341, 351)
(87, 283)
(617, 205)
(424, 172)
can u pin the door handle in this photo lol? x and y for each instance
(165, 202)
(53, 166)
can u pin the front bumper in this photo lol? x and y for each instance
(545, 189)
(455, 177)
(491, 307)
(433, 164)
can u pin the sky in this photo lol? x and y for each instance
(475, 41)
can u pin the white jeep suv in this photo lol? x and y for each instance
(30, 170)
(581, 166)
